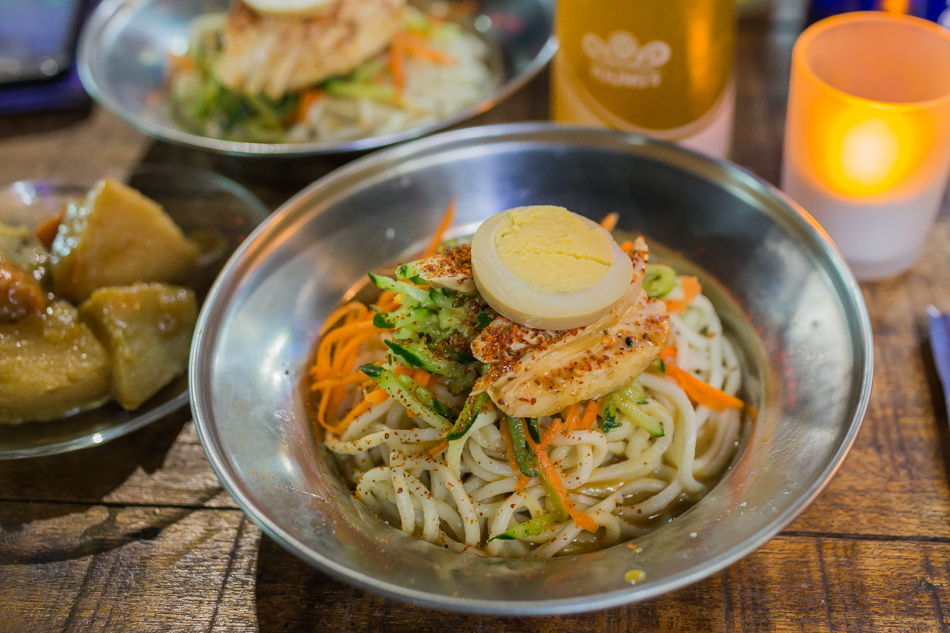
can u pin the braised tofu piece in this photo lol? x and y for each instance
(147, 329)
(116, 237)
(22, 247)
(51, 365)
(20, 294)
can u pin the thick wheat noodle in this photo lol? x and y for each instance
(622, 478)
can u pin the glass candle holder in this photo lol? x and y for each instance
(867, 135)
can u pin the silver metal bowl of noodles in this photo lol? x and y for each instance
(786, 298)
(127, 53)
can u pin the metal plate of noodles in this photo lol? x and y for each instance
(125, 48)
(786, 297)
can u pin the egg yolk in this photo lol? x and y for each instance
(545, 267)
(553, 250)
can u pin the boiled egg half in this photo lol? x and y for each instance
(293, 8)
(548, 268)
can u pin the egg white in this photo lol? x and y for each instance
(293, 8)
(523, 303)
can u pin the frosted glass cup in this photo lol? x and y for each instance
(867, 137)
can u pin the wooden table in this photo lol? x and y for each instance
(139, 535)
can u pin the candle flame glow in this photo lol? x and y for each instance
(869, 152)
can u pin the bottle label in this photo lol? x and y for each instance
(663, 67)
(621, 62)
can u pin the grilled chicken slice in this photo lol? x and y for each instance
(274, 54)
(575, 365)
(540, 372)
(451, 269)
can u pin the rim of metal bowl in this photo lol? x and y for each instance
(104, 15)
(332, 186)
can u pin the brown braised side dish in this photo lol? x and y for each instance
(95, 317)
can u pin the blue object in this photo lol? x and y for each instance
(935, 10)
(940, 347)
(45, 29)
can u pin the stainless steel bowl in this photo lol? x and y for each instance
(125, 47)
(788, 299)
(198, 201)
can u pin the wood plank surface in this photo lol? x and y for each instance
(138, 535)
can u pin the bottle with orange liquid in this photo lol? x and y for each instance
(663, 68)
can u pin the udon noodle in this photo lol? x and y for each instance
(469, 494)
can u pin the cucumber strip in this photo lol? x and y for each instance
(533, 430)
(381, 322)
(401, 287)
(390, 383)
(610, 419)
(417, 356)
(523, 455)
(410, 323)
(557, 505)
(637, 416)
(473, 405)
(633, 391)
(423, 395)
(531, 527)
(658, 280)
(373, 92)
(366, 71)
(442, 298)
(410, 273)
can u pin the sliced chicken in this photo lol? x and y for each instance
(577, 365)
(540, 372)
(451, 269)
(275, 54)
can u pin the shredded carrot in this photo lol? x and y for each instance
(387, 300)
(752, 411)
(610, 221)
(438, 448)
(697, 390)
(510, 453)
(553, 430)
(580, 517)
(397, 62)
(376, 396)
(402, 370)
(336, 382)
(346, 356)
(701, 392)
(354, 413)
(626, 246)
(590, 414)
(345, 310)
(422, 377)
(669, 354)
(342, 335)
(329, 345)
(46, 232)
(523, 480)
(181, 62)
(417, 47)
(307, 99)
(691, 290)
(443, 227)
(572, 415)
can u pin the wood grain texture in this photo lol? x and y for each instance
(138, 535)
